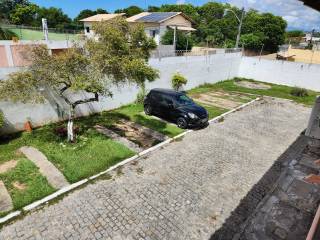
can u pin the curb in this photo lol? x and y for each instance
(73, 186)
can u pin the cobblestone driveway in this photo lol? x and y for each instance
(184, 191)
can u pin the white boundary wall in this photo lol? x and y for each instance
(281, 72)
(197, 69)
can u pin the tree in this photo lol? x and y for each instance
(153, 9)
(130, 11)
(177, 81)
(184, 41)
(88, 13)
(118, 56)
(252, 41)
(272, 27)
(7, 6)
(294, 33)
(24, 14)
(55, 16)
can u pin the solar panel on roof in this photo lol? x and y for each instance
(156, 17)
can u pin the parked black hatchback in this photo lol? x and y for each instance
(176, 107)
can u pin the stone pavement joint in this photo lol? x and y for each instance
(55, 178)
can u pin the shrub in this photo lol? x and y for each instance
(141, 95)
(1, 119)
(299, 92)
(178, 81)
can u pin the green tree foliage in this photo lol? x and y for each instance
(187, 9)
(7, 6)
(130, 11)
(24, 14)
(295, 33)
(216, 29)
(55, 16)
(184, 41)
(177, 81)
(252, 41)
(88, 13)
(117, 57)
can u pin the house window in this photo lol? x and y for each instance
(87, 29)
(153, 33)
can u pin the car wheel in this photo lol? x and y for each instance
(147, 109)
(182, 123)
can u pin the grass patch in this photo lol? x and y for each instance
(213, 110)
(279, 91)
(28, 34)
(133, 113)
(26, 173)
(91, 153)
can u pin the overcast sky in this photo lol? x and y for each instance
(297, 15)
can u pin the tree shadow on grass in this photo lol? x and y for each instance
(151, 123)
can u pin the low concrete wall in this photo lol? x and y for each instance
(197, 69)
(281, 72)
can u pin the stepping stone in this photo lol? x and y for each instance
(5, 167)
(5, 199)
(46, 168)
(116, 137)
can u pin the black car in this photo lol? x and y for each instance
(176, 107)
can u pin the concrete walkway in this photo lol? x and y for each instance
(46, 168)
(186, 190)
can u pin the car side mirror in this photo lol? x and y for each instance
(171, 105)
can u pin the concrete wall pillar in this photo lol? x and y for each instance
(9, 55)
(313, 129)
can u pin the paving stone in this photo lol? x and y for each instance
(188, 190)
(46, 168)
(116, 137)
(6, 166)
(5, 199)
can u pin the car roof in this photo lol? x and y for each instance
(166, 91)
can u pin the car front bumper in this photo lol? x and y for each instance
(198, 122)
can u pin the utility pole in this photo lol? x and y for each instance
(45, 29)
(240, 20)
(239, 28)
(175, 38)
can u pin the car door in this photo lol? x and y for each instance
(166, 107)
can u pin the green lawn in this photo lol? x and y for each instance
(27, 34)
(134, 113)
(279, 91)
(91, 153)
(27, 175)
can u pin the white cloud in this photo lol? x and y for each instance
(294, 12)
(181, 2)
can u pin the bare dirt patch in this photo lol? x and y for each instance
(19, 186)
(253, 85)
(5, 167)
(137, 134)
(207, 98)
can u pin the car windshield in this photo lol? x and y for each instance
(184, 100)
